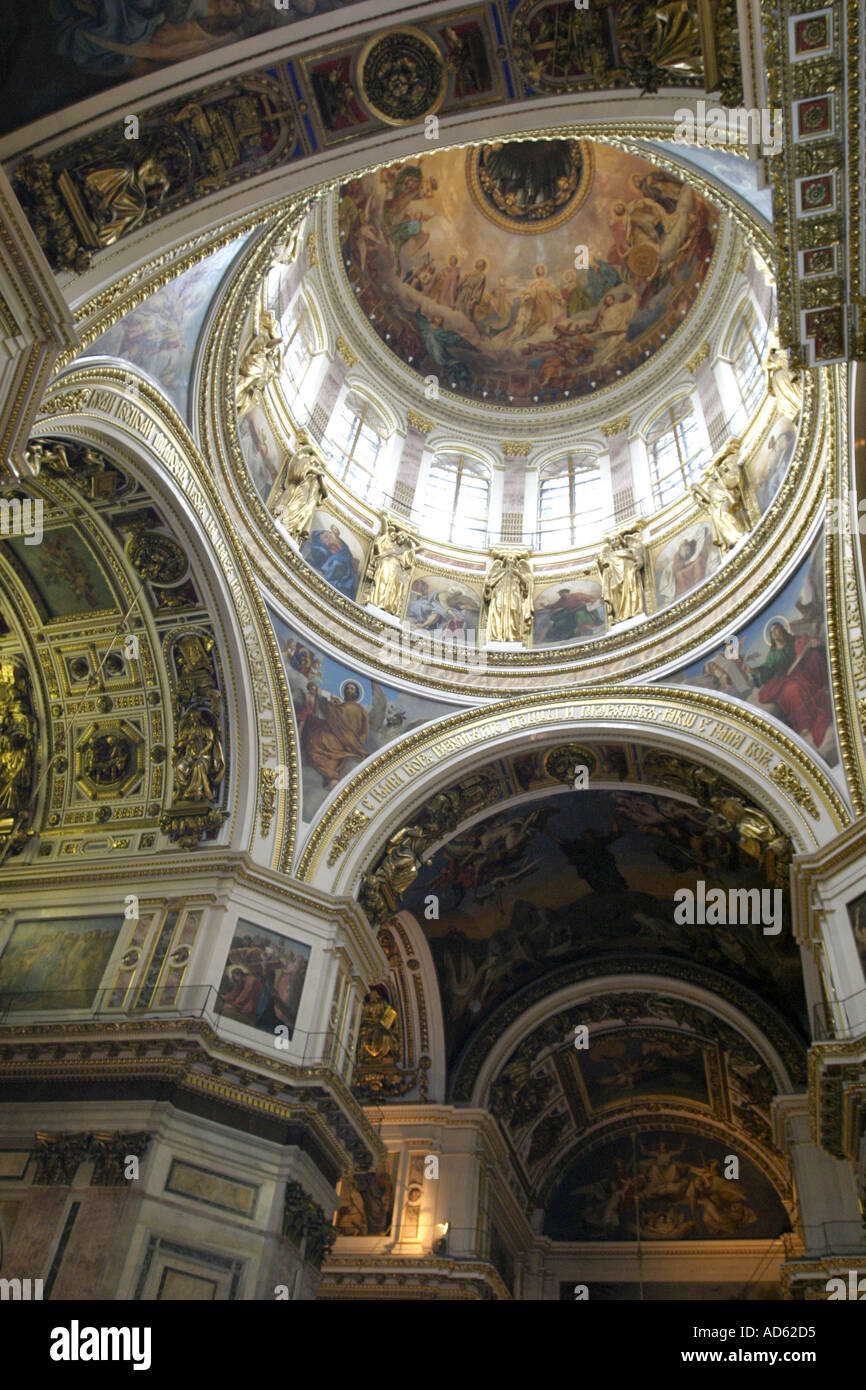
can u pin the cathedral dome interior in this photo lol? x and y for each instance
(432, 657)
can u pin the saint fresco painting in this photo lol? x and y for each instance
(529, 891)
(342, 716)
(443, 606)
(56, 964)
(857, 917)
(684, 562)
(263, 979)
(767, 468)
(781, 665)
(335, 553)
(464, 261)
(569, 611)
(64, 573)
(663, 1184)
(160, 335)
(260, 449)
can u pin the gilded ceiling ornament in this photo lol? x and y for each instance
(392, 560)
(196, 678)
(156, 557)
(422, 423)
(379, 1046)
(66, 403)
(349, 356)
(17, 755)
(692, 363)
(721, 492)
(260, 364)
(267, 798)
(305, 489)
(621, 569)
(402, 76)
(352, 825)
(787, 779)
(614, 427)
(306, 1225)
(198, 758)
(560, 763)
(381, 890)
(109, 759)
(107, 200)
(516, 448)
(508, 595)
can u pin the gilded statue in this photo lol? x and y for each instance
(783, 384)
(379, 1033)
(508, 594)
(196, 678)
(620, 566)
(304, 491)
(261, 362)
(721, 492)
(393, 556)
(199, 764)
(119, 195)
(401, 863)
(17, 748)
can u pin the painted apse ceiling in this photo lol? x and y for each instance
(525, 272)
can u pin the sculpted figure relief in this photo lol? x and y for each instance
(621, 565)
(393, 556)
(304, 492)
(721, 492)
(508, 594)
(260, 363)
(785, 386)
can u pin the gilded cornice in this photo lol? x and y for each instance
(615, 427)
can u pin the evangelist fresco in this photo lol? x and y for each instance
(585, 874)
(335, 553)
(342, 717)
(64, 573)
(445, 606)
(160, 335)
(663, 1184)
(260, 449)
(263, 978)
(527, 271)
(56, 964)
(568, 611)
(781, 664)
(685, 562)
(768, 466)
(66, 51)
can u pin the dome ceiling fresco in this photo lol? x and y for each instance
(527, 272)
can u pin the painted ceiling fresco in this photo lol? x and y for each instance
(663, 1184)
(160, 335)
(96, 46)
(586, 874)
(525, 272)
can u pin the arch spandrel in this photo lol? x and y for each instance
(756, 756)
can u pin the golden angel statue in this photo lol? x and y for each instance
(393, 556)
(784, 385)
(261, 362)
(304, 491)
(508, 594)
(620, 566)
(721, 492)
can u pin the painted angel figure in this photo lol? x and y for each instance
(508, 594)
(304, 492)
(620, 566)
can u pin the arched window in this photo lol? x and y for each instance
(570, 500)
(299, 345)
(677, 450)
(457, 501)
(747, 346)
(353, 445)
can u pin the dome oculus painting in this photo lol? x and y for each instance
(528, 272)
